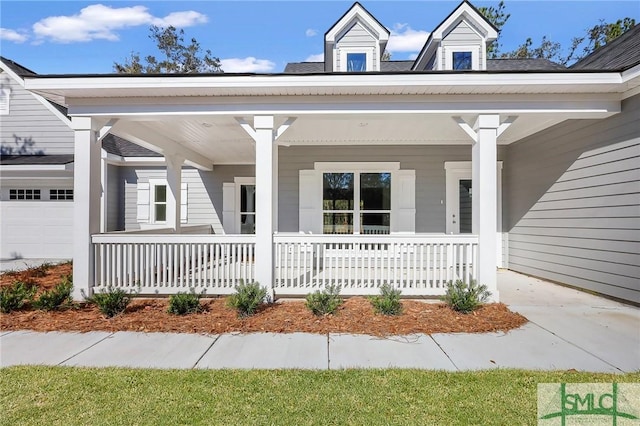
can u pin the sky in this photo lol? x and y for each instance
(80, 37)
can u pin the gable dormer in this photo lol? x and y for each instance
(355, 43)
(458, 43)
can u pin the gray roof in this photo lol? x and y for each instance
(122, 147)
(17, 68)
(14, 160)
(618, 55)
(400, 66)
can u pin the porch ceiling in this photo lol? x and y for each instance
(222, 140)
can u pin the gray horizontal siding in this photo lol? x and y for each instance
(428, 162)
(30, 125)
(462, 35)
(356, 36)
(204, 192)
(573, 195)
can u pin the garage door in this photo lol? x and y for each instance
(34, 229)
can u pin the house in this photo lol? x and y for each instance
(358, 171)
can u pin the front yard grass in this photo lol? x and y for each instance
(68, 396)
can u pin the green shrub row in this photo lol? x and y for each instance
(18, 294)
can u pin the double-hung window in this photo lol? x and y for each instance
(158, 203)
(356, 202)
(247, 208)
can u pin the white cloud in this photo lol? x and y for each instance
(405, 39)
(101, 22)
(315, 58)
(311, 32)
(249, 64)
(11, 35)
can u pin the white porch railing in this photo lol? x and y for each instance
(417, 264)
(168, 263)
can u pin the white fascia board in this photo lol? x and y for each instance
(465, 11)
(117, 160)
(331, 105)
(469, 83)
(354, 13)
(35, 167)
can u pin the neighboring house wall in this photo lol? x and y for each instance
(574, 203)
(204, 192)
(427, 160)
(355, 38)
(30, 127)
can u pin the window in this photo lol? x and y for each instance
(367, 209)
(24, 194)
(248, 209)
(159, 203)
(5, 98)
(356, 62)
(462, 60)
(61, 194)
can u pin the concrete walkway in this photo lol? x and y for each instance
(567, 330)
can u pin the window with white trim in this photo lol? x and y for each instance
(24, 194)
(158, 202)
(61, 194)
(356, 62)
(5, 100)
(247, 211)
(461, 58)
(356, 201)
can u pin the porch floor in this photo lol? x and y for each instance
(567, 329)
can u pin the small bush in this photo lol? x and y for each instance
(184, 303)
(326, 301)
(388, 302)
(53, 299)
(15, 296)
(465, 298)
(247, 298)
(111, 301)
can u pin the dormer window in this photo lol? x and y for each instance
(461, 60)
(356, 62)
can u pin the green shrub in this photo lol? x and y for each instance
(185, 303)
(53, 299)
(111, 301)
(464, 297)
(247, 298)
(15, 296)
(326, 301)
(388, 302)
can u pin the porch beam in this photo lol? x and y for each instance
(86, 204)
(484, 199)
(174, 193)
(161, 144)
(104, 131)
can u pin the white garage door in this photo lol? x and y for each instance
(36, 229)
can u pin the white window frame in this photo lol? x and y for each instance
(5, 100)
(239, 182)
(358, 168)
(368, 51)
(152, 200)
(450, 50)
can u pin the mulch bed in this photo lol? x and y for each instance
(355, 316)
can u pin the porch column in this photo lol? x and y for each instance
(174, 185)
(484, 198)
(86, 204)
(266, 189)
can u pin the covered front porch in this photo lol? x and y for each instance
(264, 163)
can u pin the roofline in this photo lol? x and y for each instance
(349, 10)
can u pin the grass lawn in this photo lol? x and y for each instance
(67, 396)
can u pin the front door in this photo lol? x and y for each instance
(459, 195)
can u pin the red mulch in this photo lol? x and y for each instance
(354, 316)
